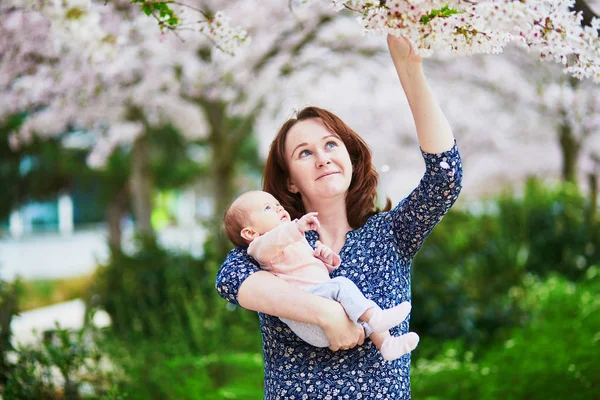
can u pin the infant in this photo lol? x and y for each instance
(257, 221)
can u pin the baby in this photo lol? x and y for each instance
(257, 221)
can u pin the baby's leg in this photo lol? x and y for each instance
(393, 347)
(358, 307)
(382, 320)
(311, 334)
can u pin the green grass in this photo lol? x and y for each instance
(45, 292)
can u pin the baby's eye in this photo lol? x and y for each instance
(268, 208)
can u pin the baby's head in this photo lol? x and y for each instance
(251, 215)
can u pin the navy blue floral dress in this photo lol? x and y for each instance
(377, 258)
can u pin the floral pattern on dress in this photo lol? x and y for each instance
(377, 258)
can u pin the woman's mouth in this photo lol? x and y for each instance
(327, 174)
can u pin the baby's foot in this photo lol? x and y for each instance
(383, 320)
(396, 346)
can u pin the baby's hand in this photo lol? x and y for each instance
(308, 222)
(325, 254)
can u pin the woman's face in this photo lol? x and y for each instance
(318, 161)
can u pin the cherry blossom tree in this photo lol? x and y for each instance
(121, 78)
(561, 30)
(106, 69)
(556, 114)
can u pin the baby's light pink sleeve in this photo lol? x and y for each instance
(266, 247)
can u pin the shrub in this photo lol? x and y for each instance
(59, 367)
(169, 325)
(553, 357)
(467, 276)
(157, 295)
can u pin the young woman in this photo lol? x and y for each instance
(318, 164)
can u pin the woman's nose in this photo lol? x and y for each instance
(322, 158)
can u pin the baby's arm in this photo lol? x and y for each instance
(325, 254)
(308, 222)
(266, 247)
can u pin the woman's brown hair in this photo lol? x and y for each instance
(362, 193)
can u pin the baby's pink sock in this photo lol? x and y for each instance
(396, 346)
(383, 320)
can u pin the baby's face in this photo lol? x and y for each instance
(265, 212)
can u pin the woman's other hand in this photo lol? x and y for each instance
(401, 50)
(343, 334)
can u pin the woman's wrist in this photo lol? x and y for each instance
(328, 312)
(409, 70)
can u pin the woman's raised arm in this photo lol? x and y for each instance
(433, 129)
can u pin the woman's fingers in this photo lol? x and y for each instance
(339, 329)
(354, 336)
(401, 49)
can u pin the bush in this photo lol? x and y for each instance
(467, 275)
(40, 293)
(553, 357)
(169, 324)
(159, 295)
(9, 303)
(152, 372)
(59, 367)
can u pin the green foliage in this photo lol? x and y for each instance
(168, 322)
(71, 353)
(554, 230)
(172, 166)
(43, 292)
(553, 357)
(154, 372)
(443, 12)
(9, 304)
(466, 277)
(35, 171)
(161, 10)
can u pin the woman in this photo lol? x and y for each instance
(318, 164)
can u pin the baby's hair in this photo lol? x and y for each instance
(234, 221)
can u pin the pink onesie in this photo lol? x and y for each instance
(285, 252)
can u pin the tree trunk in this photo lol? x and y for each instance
(593, 183)
(114, 212)
(222, 172)
(224, 177)
(141, 186)
(570, 147)
(227, 134)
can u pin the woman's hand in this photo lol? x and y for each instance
(343, 334)
(401, 50)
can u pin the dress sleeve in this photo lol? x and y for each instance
(236, 268)
(414, 218)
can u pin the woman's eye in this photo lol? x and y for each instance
(330, 145)
(304, 153)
